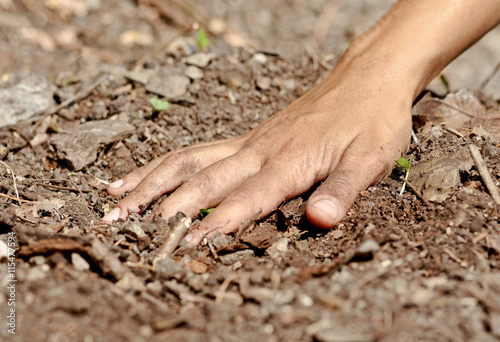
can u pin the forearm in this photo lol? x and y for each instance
(416, 39)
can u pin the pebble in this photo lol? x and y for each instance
(79, 145)
(193, 72)
(3, 249)
(260, 58)
(24, 96)
(264, 83)
(79, 263)
(339, 334)
(368, 247)
(171, 86)
(305, 300)
(230, 259)
(290, 84)
(279, 248)
(200, 59)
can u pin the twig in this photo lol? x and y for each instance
(222, 289)
(177, 232)
(13, 179)
(324, 21)
(77, 97)
(453, 256)
(28, 201)
(56, 187)
(245, 225)
(490, 76)
(453, 107)
(415, 191)
(485, 174)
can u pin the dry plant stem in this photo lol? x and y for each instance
(485, 174)
(78, 97)
(488, 79)
(415, 191)
(222, 289)
(28, 201)
(454, 107)
(13, 179)
(177, 233)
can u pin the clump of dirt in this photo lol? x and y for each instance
(419, 266)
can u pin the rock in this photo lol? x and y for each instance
(290, 84)
(305, 300)
(79, 146)
(24, 96)
(260, 58)
(230, 259)
(79, 263)
(200, 59)
(366, 250)
(171, 86)
(198, 266)
(193, 72)
(3, 250)
(422, 297)
(140, 76)
(278, 249)
(264, 83)
(339, 334)
(143, 240)
(129, 282)
(168, 268)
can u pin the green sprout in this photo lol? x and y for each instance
(406, 165)
(445, 82)
(205, 212)
(158, 104)
(203, 40)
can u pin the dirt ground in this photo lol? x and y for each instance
(77, 78)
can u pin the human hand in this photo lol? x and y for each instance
(346, 132)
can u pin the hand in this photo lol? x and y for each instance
(346, 132)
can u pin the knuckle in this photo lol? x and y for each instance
(342, 185)
(242, 196)
(178, 158)
(200, 181)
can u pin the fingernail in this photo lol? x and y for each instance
(117, 184)
(113, 215)
(329, 207)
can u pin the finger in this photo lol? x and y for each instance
(131, 180)
(174, 169)
(207, 188)
(358, 169)
(262, 192)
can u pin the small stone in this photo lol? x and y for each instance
(23, 96)
(193, 72)
(339, 334)
(230, 259)
(129, 282)
(79, 145)
(200, 59)
(264, 83)
(367, 248)
(337, 234)
(79, 263)
(171, 86)
(3, 250)
(422, 297)
(284, 297)
(290, 84)
(37, 260)
(260, 58)
(198, 266)
(217, 26)
(143, 240)
(140, 76)
(305, 300)
(278, 248)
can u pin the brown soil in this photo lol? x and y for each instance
(398, 268)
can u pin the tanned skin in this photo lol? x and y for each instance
(345, 133)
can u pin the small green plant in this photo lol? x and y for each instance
(445, 82)
(205, 212)
(202, 37)
(406, 165)
(158, 105)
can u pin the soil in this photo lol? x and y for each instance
(421, 266)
